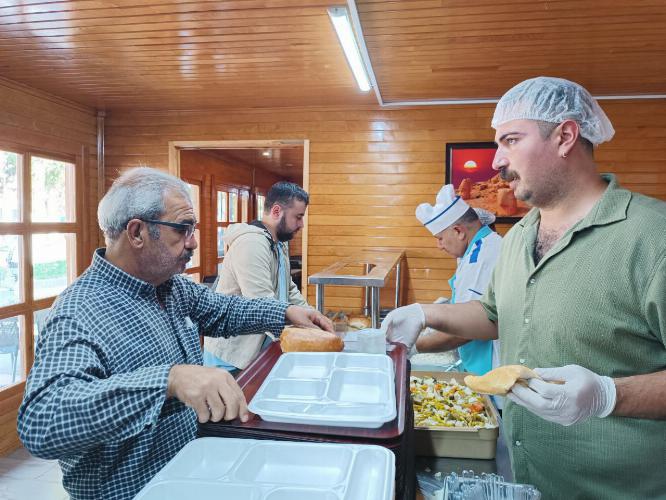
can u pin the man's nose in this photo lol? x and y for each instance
(499, 161)
(191, 242)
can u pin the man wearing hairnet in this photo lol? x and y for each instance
(579, 292)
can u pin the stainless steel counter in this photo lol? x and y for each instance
(373, 266)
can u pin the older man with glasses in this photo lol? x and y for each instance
(117, 385)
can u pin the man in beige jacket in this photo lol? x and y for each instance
(256, 264)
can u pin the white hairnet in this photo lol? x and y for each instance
(554, 100)
(485, 216)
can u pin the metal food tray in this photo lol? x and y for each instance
(457, 442)
(209, 468)
(335, 389)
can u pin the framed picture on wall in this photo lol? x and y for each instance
(469, 169)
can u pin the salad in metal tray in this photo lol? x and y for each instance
(447, 404)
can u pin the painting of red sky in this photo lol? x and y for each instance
(474, 164)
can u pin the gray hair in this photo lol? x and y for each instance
(137, 194)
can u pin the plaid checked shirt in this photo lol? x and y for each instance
(96, 395)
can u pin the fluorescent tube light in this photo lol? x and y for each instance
(340, 19)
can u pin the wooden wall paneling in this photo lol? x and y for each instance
(370, 167)
(263, 179)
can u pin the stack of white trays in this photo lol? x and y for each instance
(337, 389)
(248, 469)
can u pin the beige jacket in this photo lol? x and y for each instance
(250, 269)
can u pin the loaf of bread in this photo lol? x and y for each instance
(500, 380)
(295, 339)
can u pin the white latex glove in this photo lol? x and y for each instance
(584, 394)
(404, 324)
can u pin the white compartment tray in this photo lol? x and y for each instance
(250, 469)
(339, 389)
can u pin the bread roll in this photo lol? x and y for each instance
(500, 380)
(295, 339)
(359, 322)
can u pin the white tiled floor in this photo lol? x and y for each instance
(23, 477)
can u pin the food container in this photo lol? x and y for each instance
(210, 468)
(334, 389)
(457, 442)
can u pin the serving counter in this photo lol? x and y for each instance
(375, 267)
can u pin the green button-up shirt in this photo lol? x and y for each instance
(596, 299)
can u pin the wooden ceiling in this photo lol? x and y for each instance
(451, 49)
(179, 54)
(285, 162)
(175, 54)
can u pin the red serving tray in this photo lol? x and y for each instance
(252, 377)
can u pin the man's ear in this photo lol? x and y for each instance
(567, 135)
(459, 231)
(134, 236)
(276, 211)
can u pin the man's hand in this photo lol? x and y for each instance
(308, 318)
(404, 324)
(211, 392)
(584, 394)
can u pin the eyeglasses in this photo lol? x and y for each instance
(185, 229)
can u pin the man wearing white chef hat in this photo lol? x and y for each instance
(461, 233)
(579, 291)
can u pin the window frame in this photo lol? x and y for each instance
(25, 229)
(240, 192)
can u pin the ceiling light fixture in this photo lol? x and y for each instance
(342, 24)
(266, 153)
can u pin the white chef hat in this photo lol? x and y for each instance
(554, 100)
(448, 208)
(485, 216)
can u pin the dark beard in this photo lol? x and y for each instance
(282, 233)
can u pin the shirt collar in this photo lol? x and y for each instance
(611, 207)
(132, 285)
(480, 234)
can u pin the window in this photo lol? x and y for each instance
(39, 242)
(260, 205)
(222, 203)
(233, 207)
(245, 202)
(229, 207)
